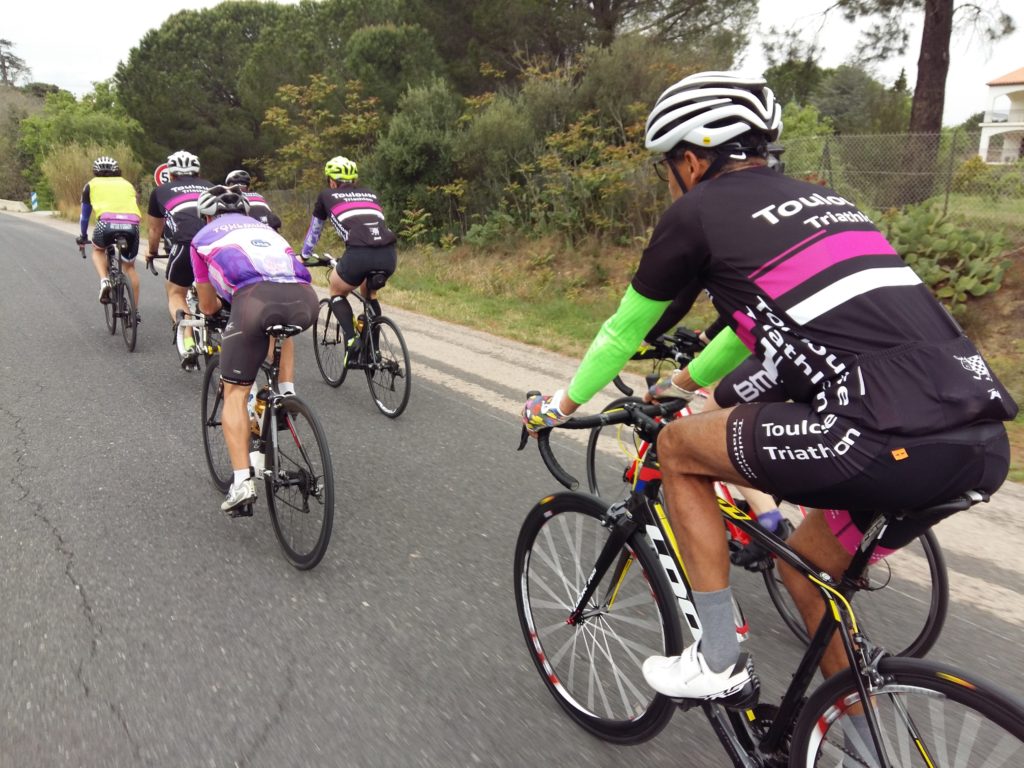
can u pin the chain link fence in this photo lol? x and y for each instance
(885, 171)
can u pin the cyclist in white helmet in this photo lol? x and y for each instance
(873, 396)
(114, 202)
(173, 206)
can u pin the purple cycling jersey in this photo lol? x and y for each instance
(234, 251)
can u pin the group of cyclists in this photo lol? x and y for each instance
(224, 240)
(843, 383)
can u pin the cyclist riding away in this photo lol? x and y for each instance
(241, 261)
(358, 217)
(173, 206)
(881, 399)
(114, 202)
(259, 208)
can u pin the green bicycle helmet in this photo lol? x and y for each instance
(341, 169)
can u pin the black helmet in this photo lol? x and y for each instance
(214, 201)
(239, 177)
(105, 166)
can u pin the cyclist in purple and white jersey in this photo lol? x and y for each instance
(358, 217)
(879, 398)
(242, 261)
(172, 206)
(259, 208)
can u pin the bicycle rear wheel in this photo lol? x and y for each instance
(110, 309)
(611, 451)
(126, 311)
(217, 459)
(329, 345)
(300, 483)
(907, 607)
(929, 715)
(387, 367)
(593, 669)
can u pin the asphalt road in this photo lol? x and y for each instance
(141, 627)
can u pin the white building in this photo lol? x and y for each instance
(1005, 117)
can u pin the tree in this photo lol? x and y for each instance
(856, 103)
(889, 36)
(387, 59)
(11, 67)
(181, 83)
(793, 71)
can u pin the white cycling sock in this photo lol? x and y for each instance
(241, 475)
(287, 388)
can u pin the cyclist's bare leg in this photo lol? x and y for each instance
(339, 287)
(175, 301)
(693, 452)
(286, 371)
(344, 315)
(236, 424)
(814, 540)
(99, 261)
(128, 267)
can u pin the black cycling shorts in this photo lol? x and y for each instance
(358, 261)
(825, 461)
(244, 343)
(105, 232)
(179, 264)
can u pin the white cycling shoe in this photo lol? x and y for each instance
(688, 677)
(239, 495)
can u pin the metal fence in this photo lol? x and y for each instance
(884, 171)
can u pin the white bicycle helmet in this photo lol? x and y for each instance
(219, 199)
(709, 109)
(105, 166)
(183, 163)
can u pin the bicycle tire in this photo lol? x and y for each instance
(300, 483)
(214, 445)
(387, 367)
(548, 580)
(126, 309)
(110, 308)
(606, 466)
(900, 599)
(329, 345)
(984, 724)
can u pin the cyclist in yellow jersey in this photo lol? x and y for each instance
(113, 201)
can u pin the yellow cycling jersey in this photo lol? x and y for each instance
(112, 194)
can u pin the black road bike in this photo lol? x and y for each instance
(121, 306)
(288, 450)
(600, 587)
(380, 350)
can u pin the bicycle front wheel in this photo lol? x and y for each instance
(904, 606)
(126, 311)
(300, 484)
(216, 448)
(929, 715)
(329, 345)
(387, 368)
(593, 669)
(611, 451)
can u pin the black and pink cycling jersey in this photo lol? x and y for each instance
(175, 203)
(823, 300)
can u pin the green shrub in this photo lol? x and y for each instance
(955, 260)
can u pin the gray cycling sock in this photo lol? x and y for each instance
(718, 642)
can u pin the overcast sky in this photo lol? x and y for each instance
(73, 44)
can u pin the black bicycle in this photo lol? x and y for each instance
(379, 351)
(912, 583)
(121, 304)
(288, 449)
(599, 588)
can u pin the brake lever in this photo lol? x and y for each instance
(524, 436)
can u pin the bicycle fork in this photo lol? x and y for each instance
(622, 527)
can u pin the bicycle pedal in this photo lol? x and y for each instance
(243, 511)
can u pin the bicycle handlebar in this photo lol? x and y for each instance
(319, 260)
(639, 415)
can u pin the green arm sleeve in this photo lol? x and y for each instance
(615, 343)
(724, 353)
